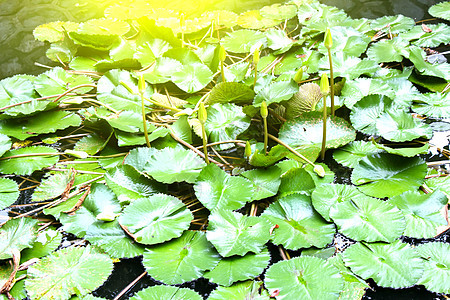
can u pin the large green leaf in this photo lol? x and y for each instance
(16, 235)
(440, 10)
(385, 263)
(74, 270)
(216, 189)
(15, 87)
(170, 165)
(387, 175)
(393, 24)
(155, 219)
(299, 225)
(9, 192)
(418, 57)
(265, 182)
(399, 126)
(225, 122)
(45, 122)
(230, 92)
(351, 154)
(276, 92)
(252, 19)
(111, 238)
(296, 180)
(25, 161)
(347, 40)
(436, 275)
(351, 67)
(179, 260)
(304, 277)
(46, 242)
(5, 143)
(150, 50)
(388, 50)
(159, 292)
(242, 41)
(368, 219)
(242, 290)
(435, 105)
(327, 195)
(239, 268)
(128, 184)
(161, 71)
(355, 90)
(433, 36)
(422, 212)
(193, 77)
(307, 129)
(52, 186)
(232, 233)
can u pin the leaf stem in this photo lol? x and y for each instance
(291, 149)
(324, 126)
(331, 83)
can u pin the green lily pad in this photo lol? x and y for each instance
(158, 292)
(155, 219)
(385, 263)
(307, 130)
(393, 24)
(161, 71)
(150, 50)
(387, 175)
(278, 40)
(239, 268)
(242, 290)
(399, 126)
(422, 212)
(216, 189)
(183, 259)
(253, 19)
(435, 35)
(225, 122)
(74, 270)
(388, 50)
(193, 77)
(299, 226)
(28, 160)
(265, 182)
(296, 180)
(327, 195)
(441, 183)
(232, 233)
(357, 89)
(435, 105)
(406, 152)
(5, 144)
(52, 186)
(276, 92)
(91, 144)
(436, 273)
(347, 40)
(418, 57)
(9, 192)
(304, 277)
(230, 92)
(170, 165)
(351, 68)
(279, 11)
(242, 41)
(54, 31)
(46, 242)
(351, 154)
(111, 238)
(440, 10)
(275, 154)
(15, 87)
(368, 219)
(16, 235)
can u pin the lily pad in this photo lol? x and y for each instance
(276, 153)
(216, 189)
(299, 226)
(399, 126)
(436, 273)
(74, 270)
(16, 235)
(296, 180)
(193, 77)
(385, 263)
(406, 151)
(307, 130)
(276, 92)
(242, 290)
(253, 19)
(158, 292)
(357, 89)
(230, 92)
(388, 50)
(387, 175)
(393, 24)
(232, 233)
(368, 219)
(279, 11)
(351, 154)
(183, 259)
(265, 182)
(239, 268)
(5, 144)
(433, 36)
(155, 219)
(161, 71)
(422, 212)
(440, 10)
(25, 161)
(52, 187)
(242, 41)
(46, 242)
(435, 105)
(304, 277)
(9, 192)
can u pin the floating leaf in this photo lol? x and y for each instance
(265, 182)
(193, 77)
(15, 87)
(278, 40)
(230, 92)
(183, 259)
(74, 270)
(232, 233)
(304, 277)
(436, 273)
(440, 10)
(155, 219)
(275, 154)
(242, 290)
(252, 19)
(25, 161)
(279, 11)
(388, 50)
(111, 238)
(418, 57)
(435, 35)
(276, 92)
(216, 189)
(357, 89)
(54, 31)
(368, 219)
(5, 144)
(159, 292)
(9, 192)
(387, 175)
(304, 100)
(328, 195)
(441, 183)
(239, 268)
(225, 122)
(46, 242)
(51, 187)
(242, 41)
(422, 212)
(57, 81)
(170, 165)
(399, 126)
(16, 235)
(296, 180)
(435, 105)
(393, 24)
(91, 144)
(161, 71)
(406, 152)
(104, 27)
(347, 40)
(307, 130)
(351, 154)
(299, 226)
(385, 263)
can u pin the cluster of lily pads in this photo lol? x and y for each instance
(115, 136)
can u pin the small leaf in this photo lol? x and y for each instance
(68, 271)
(9, 192)
(30, 159)
(155, 219)
(16, 235)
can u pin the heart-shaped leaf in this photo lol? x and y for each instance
(230, 92)
(435, 105)
(440, 10)
(265, 182)
(242, 290)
